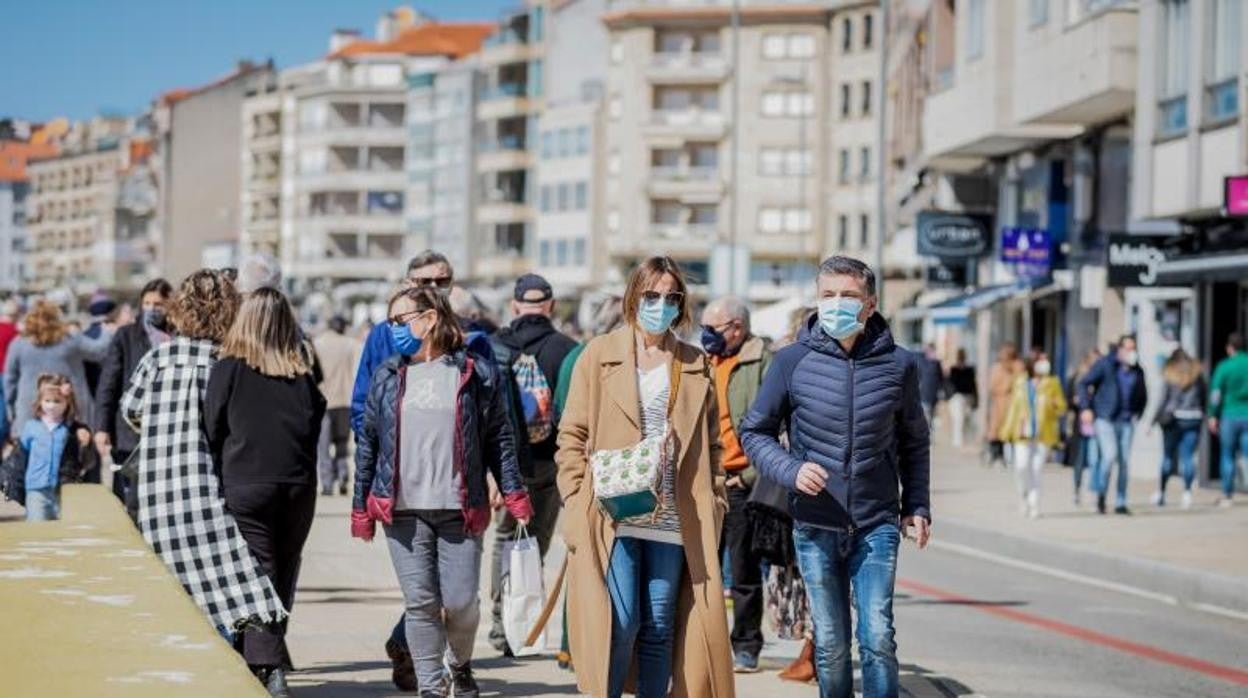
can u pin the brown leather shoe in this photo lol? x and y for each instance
(802, 670)
(404, 672)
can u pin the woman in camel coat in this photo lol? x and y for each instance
(1000, 387)
(603, 412)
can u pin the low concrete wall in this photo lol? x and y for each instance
(89, 610)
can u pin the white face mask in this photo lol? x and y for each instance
(1133, 358)
(52, 409)
(1043, 368)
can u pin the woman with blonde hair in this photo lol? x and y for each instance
(1032, 425)
(1000, 385)
(262, 416)
(182, 514)
(1179, 416)
(655, 574)
(48, 346)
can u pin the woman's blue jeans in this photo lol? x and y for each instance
(1179, 442)
(644, 582)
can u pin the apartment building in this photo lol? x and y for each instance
(569, 153)
(715, 158)
(344, 128)
(855, 44)
(510, 100)
(199, 136)
(14, 190)
(90, 209)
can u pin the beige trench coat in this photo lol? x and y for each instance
(603, 412)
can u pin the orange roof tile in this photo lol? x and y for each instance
(15, 154)
(431, 39)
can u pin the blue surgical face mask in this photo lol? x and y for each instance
(405, 342)
(657, 316)
(839, 317)
(154, 317)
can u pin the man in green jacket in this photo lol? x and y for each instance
(1228, 411)
(740, 360)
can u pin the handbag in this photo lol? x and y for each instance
(627, 480)
(13, 474)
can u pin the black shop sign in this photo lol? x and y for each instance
(953, 236)
(1134, 260)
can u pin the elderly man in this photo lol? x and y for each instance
(740, 360)
(857, 467)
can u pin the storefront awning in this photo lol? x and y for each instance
(957, 311)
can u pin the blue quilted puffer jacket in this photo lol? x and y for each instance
(857, 415)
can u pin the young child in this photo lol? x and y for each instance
(56, 447)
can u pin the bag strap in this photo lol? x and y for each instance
(675, 388)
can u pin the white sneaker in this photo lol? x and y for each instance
(1078, 500)
(1225, 503)
(1158, 499)
(1187, 499)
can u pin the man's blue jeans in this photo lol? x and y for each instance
(1114, 440)
(831, 562)
(644, 582)
(1233, 433)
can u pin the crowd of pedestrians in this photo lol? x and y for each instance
(672, 450)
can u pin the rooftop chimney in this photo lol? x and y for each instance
(341, 37)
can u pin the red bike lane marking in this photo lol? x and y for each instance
(1225, 673)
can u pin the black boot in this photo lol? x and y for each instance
(1100, 504)
(465, 685)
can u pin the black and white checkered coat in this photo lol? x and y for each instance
(182, 512)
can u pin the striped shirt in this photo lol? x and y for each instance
(654, 386)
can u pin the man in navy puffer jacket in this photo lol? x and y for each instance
(856, 467)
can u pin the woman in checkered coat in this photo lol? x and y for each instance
(182, 511)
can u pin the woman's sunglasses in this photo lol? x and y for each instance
(673, 298)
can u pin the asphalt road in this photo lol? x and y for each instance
(966, 627)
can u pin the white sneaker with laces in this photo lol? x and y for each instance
(1158, 499)
(1187, 499)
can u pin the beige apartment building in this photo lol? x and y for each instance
(89, 212)
(795, 108)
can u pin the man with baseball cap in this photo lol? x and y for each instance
(529, 342)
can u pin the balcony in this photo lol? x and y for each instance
(669, 238)
(688, 67)
(353, 180)
(353, 222)
(504, 101)
(353, 134)
(508, 47)
(686, 183)
(1080, 73)
(503, 153)
(502, 212)
(687, 124)
(265, 141)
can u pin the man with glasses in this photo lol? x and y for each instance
(740, 360)
(857, 467)
(427, 269)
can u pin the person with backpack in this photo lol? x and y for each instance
(529, 353)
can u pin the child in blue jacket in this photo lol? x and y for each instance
(57, 447)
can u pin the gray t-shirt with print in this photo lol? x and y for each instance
(427, 457)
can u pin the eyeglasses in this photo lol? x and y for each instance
(673, 298)
(406, 317)
(431, 281)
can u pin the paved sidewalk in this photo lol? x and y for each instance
(1164, 549)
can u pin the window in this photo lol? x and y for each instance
(847, 35)
(561, 253)
(801, 46)
(582, 140)
(615, 108)
(842, 233)
(868, 25)
(864, 231)
(543, 256)
(783, 220)
(864, 160)
(866, 98)
(974, 29)
(565, 143)
(563, 196)
(582, 196)
(1174, 67)
(1037, 12)
(843, 166)
(1222, 83)
(548, 145)
(579, 252)
(797, 162)
(545, 203)
(781, 162)
(774, 46)
(771, 162)
(845, 100)
(617, 51)
(788, 103)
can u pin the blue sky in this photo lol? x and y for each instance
(76, 58)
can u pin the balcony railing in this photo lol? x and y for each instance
(678, 173)
(510, 90)
(684, 231)
(687, 117)
(502, 143)
(688, 59)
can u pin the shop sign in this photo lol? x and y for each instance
(1134, 260)
(953, 235)
(944, 275)
(1028, 251)
(1235, 195)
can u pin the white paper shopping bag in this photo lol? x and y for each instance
(522, 595)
